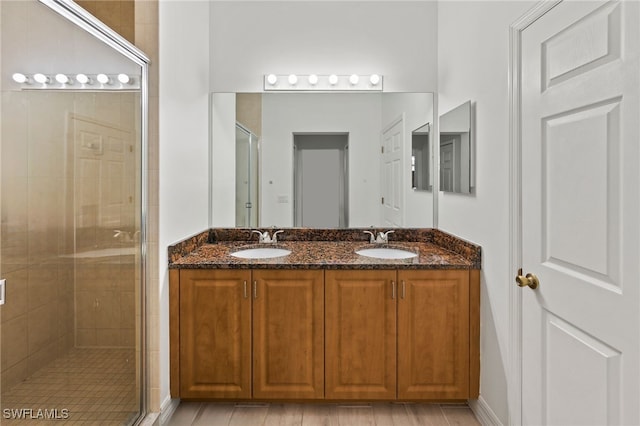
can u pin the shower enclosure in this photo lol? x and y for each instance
(246, 177)
(72, 240)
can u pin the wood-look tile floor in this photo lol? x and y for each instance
(375, 414)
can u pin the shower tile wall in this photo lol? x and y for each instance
(49, 303)
(249, 111)
(117, 14)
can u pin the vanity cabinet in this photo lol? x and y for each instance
(288, 334)
(433, 334)
(232, 320)
(409, 334)
(404, 332)
(360, 320)
(215, 334)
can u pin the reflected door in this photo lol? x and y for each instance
(447, 167)
(104, 161)
(580, 108)
(392, 189)
(320, 180)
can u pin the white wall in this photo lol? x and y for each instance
(418, 110)
(394, 38)
(286, 114)
(473, 52)
(184, 152)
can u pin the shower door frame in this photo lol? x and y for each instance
(80, 17)
(253, 140)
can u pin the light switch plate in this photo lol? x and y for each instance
(2, 291)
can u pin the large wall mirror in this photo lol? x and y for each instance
(329, 160)
(457, 150)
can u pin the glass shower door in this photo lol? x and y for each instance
(70, 210)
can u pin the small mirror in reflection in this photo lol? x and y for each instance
(456, 151)
(421, 158)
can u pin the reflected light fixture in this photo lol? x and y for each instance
(41, 78)
(293, 79)
(272, 79)
(374, 79)
(66, 81)
(313, 79)
(82, 78)
(333, 79)
(62, 79)
(20, 78)
(103, 79)
(124, 79)
(354, 79)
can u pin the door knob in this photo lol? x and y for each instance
(529, 280)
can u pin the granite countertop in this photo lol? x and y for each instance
(324, 249)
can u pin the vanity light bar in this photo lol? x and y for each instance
(314, 82)
(61, 81)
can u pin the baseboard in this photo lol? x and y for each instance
(484, 413)
(167, 408)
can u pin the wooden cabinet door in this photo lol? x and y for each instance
(288, 334)
(215, 334)
(433, 334)
(360, 325)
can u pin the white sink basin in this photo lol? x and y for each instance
(260, 253)
(386, 253)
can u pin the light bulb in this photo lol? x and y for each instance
(333, 79)
(82, 79)
(272, 79)
(102, 78)
(313, 79)
(374, 79)
(18, 77)
(293, 79)
(62, 79)
(123, 78)
(41, 78)
(353, 79)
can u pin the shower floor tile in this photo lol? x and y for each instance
(86, 386)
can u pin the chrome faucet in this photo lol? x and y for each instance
(125, 236)
(264, 237)
(274, 237)
(372, 238)
(383, 237)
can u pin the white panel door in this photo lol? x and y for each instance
(580, 214)
(392, 149)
